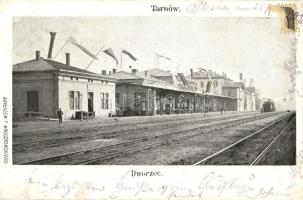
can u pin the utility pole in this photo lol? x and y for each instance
(204, 105)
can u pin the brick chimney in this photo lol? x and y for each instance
(241, 76)
(67, 59)
(37, 55)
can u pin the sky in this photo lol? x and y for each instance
(254, 46)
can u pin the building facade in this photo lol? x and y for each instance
(43, 86)
(160, 92)
(217, 84)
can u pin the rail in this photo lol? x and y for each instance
(204, 160)
(195, 132)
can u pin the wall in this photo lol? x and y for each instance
(212, 89)
(83, 86)
(251, 105)
(126, 93)
(41, 82)
(229, 91)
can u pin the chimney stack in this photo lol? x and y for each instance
(51, 44)
(67, 59)
(103, 72)
(191, 73)
(241, 76)
(37, 55)
(114, 71)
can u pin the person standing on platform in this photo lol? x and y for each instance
(60, 113)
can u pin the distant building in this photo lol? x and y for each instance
(246, 96)
(252, 104)
(43, 86)
(156, 91)
(213, 86)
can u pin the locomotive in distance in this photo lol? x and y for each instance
(268, 106)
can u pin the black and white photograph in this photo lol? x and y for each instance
(153, 91)
(158, 100)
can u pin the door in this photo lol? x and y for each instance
(33, 101)
(90, 101)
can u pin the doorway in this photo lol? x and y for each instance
(90, 101)
(33, 101)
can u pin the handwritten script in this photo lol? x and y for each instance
(291, 67)
(297, 171)
(60, 186)
(223, 7)
(212, 184)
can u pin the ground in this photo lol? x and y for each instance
(151, 140)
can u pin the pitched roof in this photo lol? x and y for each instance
(123, 75)
(158, 72)
(202, 74)
(46, 65)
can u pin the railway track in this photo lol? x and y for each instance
(35, 142)
(122, 122)
(96, 155)
(78, 127)
(247, 150)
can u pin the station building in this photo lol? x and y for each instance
(221, 85)
(42, 86)
(156, 91)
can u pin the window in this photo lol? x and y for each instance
(74, 100)
(77, 100)
(139, 101)
(202, 84)
(104, 100)
(71, 100)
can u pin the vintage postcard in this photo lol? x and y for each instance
(151, 100)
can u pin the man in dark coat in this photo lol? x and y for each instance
(60, 113)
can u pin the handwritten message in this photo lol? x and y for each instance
(291, 67)
(61, 186)
(224, 7)
(296, 172)
(211, 184)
